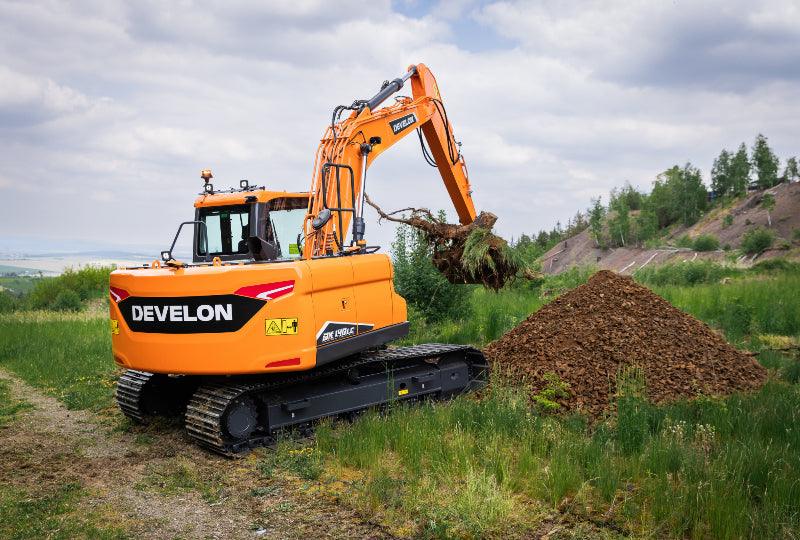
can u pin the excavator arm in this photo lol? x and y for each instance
(350, 146)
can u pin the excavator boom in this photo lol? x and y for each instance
(349, 147)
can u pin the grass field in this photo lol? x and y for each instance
(66, 356)
(53, 514)
(711, 468)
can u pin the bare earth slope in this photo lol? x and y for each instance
(588, 334)
(747, 214)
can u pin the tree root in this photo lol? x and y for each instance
(462, 253)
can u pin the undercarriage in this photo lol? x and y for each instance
(229, 415)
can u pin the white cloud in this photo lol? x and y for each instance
(126, 102)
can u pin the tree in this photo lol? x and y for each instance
(596, 214)
(740, 171)
(721, 180)
(420, 283)
(543, 240)
(619, 223)
(765, 162)
(679, 195)
(646, 222)
(768, 204)
(790, 173)
(692, 196)
(632, 197)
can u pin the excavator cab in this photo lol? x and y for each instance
(264, 226)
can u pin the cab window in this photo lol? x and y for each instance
(227, 228)
(286, 216)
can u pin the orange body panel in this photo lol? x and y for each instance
(355, 289)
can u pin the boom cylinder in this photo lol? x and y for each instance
(389, 89)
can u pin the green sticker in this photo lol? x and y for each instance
(293, 249)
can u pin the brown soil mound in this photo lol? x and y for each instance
(586, 335)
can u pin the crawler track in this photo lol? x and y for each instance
(230, 417)
(130, 392)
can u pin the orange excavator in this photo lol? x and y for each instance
(284, 313)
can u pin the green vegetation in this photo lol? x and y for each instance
(476, 253)
(685, 273)
(54, 514)
(684, 241)
(757, 240)
(67, 292)
(765, 163)
(300, 461)
(555, 389)
(707, 468)
(727, 221)
(68, 359)
(678, 197)
(419, 282)
(743, 307)
(706, 242)
(9, 407)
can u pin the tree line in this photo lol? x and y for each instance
(678, 195)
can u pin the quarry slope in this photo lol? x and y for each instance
(747, 214)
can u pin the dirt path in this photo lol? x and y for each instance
(156, 484)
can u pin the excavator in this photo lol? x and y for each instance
(284, 314)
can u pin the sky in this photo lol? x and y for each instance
(110, 109)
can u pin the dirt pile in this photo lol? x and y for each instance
(586, 335)
(462, 253)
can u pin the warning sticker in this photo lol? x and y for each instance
(281, 327)
(114, 327)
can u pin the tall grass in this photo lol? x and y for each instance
(743, 307)
(68, 358)
(490, 314)
(758, 300)
(703, 469)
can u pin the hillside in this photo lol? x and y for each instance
(746, 212)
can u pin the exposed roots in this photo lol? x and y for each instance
(462, 253)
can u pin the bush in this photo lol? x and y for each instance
(684, 241)
(796, 235)
(67, 300)
(727, 221)
(88, 282)
(706, 242)
(685, 273)
(757, 240)
(421, 284)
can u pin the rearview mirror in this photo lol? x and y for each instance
(322, 218)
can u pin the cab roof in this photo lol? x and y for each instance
(227, 198)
